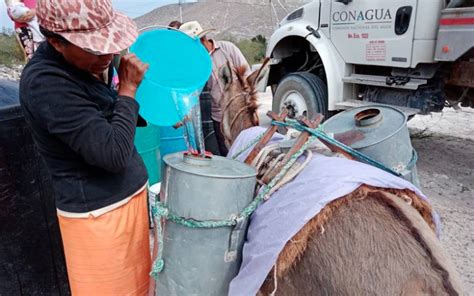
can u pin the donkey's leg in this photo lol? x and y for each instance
(377, 245)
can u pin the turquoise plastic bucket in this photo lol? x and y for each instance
(147, 141)
(172, 140)
(179, 67)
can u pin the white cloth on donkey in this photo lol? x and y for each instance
(277, 220)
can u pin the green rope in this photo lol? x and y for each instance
(246, 147)
(159, 263)
(160, 211)
(267, 188)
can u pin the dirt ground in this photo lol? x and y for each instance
(445, 145)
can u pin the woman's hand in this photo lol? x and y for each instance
(131, 73)
(29, 15)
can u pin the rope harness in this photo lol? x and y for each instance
(266, 160)
(160, 212)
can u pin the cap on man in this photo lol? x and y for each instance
(85, 132)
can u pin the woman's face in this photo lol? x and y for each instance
(84, 60)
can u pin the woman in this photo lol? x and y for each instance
(84, 131)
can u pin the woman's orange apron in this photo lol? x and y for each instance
(109, 254)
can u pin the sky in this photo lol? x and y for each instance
(132, 8)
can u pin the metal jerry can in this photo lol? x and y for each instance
(386, 137)
(203, 260)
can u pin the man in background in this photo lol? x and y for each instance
(221, 52)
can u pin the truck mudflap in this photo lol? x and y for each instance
(455, 34)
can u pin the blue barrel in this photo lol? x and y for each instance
(172, 140)
(147, 141)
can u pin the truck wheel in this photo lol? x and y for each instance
(301, 94)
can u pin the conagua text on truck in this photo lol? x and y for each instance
(332, 55)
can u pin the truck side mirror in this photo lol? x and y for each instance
(344, 1)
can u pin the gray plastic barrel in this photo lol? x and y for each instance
(203, 261)
(386, 137)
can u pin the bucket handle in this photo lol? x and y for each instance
(235, 234)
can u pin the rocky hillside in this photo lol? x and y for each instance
(238, 19)
(11, 72)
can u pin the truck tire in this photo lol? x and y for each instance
(302, 94)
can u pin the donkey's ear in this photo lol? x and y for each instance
(257, 76)
(225, 74)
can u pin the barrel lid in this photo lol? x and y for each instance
(376, 122)
(217, 166)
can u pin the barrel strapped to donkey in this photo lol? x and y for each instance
(201, 224)
(206, 203)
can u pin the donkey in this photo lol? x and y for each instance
(240, 100)
(369, 242)
(373, 241)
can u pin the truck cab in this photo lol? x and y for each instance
(330, 55)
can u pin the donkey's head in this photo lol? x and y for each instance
(239, 101)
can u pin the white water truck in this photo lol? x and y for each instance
(331, 55)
